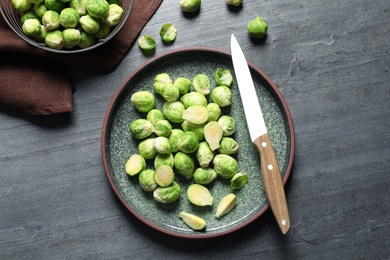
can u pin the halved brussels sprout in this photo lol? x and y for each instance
(146, 149)
(192, 99)
(160, 80)
(164, 176)
(162, 145)
(163, 128)
(141, 128)
(173, 111)
(154, 116)
(199, 195)
(143, 101)
(188, 142)
(223, 77)
(168, 33)
(213, 134)
(214, 111)
(239, 180)
(167, 194)
(201, 84)
(163, 159)
(169, 92)
(174, 139)
(183, 85)
(225, 166)
(135, 164)
(146, 180)
(222, 95)
(226, 204)
(184, 164)
(204, 175)
(228, 125)
(204, 154)
(228, 146)
(257, 28)
(193, 221)
(147, 43)
(196, 114)
(98, 8)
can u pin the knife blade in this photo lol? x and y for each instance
(270, 172)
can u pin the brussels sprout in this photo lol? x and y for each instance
(40, 9)
(193, 221)
(163, 128)
(162, 145)
(228, 124)
(21, 5)
(201, 84)
(135, 164)
(228, 146)
(114, 15)
(79, 5)
(196, 114)
(169, 92)
(188, 142)
(257, 28)
(168, 33)
(154, 116)
(141, 128)
(204, 175)
(160, 80)
(51, 20)
(28, 15)
(173, 111)
(87, 39)
(184, 164)
(239, 180)
(213, 134)
(174, 138)
(225, 166)
(183, 85)
(223, 77)
(89, 24)
(214, 111)
(71, 37)
(147, 43)
(167, 194)
(199, 195)
(31, 27)
(163, 159)
(55, 5)
(104, 31)
(54, 39)
(234, 2)
(164, 175)
(98, 8)
(146, 149)
(190, 5)
(146, 180)
(143, 101)
(192, 99)
(197, 129)
(42, 34)
(204, 154)
(222, 95)
(69, 18)
(226, 204)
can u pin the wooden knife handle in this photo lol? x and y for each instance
(272, 182)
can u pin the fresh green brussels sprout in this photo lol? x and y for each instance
(213, 134)
(188, 142)
(87, 39)
(164, 175)
(163, 159)
(174, 138)
(154, 115)
(222, 95)
(143, 101)
(226, 204)
(21, 5)
(40, 9)
(146, 149)
(169, 92)
(146, 180)
(89, 24)
(163, 128)
(223, 77)
(72, 37)
(239, 180)
(42, 35)
(204, 154)
(69, 18)
(141, 128)
(167, 194)
(197, 129)
(190, 5)
(228, 146)
(31, 27)
(183, 85)
(192, 99)
(228, 125)
(193, 221)
(104, 31)
(214, 111)
(135, 164)
(98, 8)
(199, 195)
(196, 114)
(147, 43)
(54, 39)
(28, 15)
(204, 175)
(114, 15)
(234, 2)
(257, 28)
(184, 164)
(160, 80)
(168, 33)
(173, 111)
(55, 5)
(51, 20)
(201, 84)
(79, 5)
(162, 145)
(225, 165)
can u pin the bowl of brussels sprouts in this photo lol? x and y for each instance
(66, 26)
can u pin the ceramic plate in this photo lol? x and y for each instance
(118, 144)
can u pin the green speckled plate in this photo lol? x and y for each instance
(118, 144)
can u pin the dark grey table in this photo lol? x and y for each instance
(330, 60)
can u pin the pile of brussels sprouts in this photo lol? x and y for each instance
(67, 24)
(189, 137)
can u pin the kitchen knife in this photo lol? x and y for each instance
(270, 173)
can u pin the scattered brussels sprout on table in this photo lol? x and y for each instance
(257, 28)
(168, 33)
(190, 5)
(147, 43)
(234, 2)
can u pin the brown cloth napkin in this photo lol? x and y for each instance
(37, 82)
